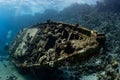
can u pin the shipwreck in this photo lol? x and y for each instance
(51, 44)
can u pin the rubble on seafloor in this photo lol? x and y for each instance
(102, 67)
(8, 70)
(11, 77)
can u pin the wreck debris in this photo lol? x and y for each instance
(11, 77)
(50, 44)
(111, 72)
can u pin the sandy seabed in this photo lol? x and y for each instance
(9, 72)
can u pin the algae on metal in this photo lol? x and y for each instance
(50, 44)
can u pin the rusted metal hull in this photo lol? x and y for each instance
(52, 44)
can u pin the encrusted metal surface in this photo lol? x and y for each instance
(50, 44)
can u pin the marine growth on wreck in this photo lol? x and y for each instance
(50, 44)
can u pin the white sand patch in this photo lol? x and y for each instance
(89, 77)
(7, 69)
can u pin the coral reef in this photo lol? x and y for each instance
(108, 60)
